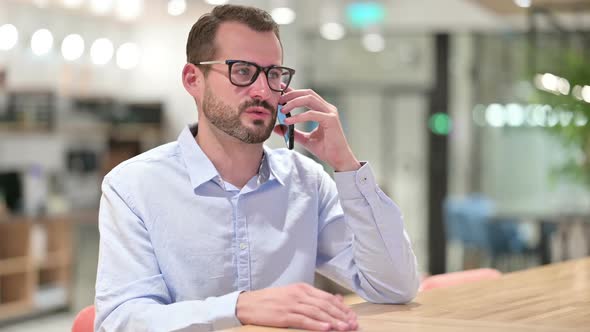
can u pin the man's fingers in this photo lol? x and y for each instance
(301, 137)
(316, 116)
(325, 309)
(304, 322)
(333, 299)
(320, 314)
(291, 94)
(308, 101)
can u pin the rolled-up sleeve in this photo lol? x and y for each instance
(131, 293)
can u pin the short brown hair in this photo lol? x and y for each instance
(200, 45)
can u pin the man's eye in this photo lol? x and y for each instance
(243, 71)
(274, 74)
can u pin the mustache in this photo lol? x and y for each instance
(257, 103)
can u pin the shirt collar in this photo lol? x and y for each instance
(202, 170)
(199, 167)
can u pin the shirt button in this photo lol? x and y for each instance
(363, 179)
(243, 246)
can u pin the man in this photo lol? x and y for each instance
(215, 230)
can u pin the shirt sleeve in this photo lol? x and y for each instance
(131, 293)
(362, 242)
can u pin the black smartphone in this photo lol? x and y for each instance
(288, 130)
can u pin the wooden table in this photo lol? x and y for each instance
(554, 297)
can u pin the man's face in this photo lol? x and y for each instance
(236, 121)
(246, 113)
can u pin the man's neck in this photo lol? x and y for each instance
(237, 162)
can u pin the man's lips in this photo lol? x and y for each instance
(258, 111)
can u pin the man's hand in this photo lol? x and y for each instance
(297, 306)
(327, 141)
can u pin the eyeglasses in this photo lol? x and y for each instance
(244, 73)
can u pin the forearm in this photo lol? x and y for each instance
(381, 250)
(148, 314)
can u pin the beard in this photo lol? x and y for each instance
(226, 119)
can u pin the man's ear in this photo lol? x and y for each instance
(192, 79)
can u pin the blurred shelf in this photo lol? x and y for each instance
(35, 265)
(57, 259)
(14, 265)
(14, 309)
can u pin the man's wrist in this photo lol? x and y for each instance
(240, 309)
(349, 166)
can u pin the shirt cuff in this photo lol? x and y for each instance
(355, 184)
(223, 311)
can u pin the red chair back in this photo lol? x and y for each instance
(457, 278)
(84, 321)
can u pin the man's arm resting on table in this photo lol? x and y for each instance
(363, 244)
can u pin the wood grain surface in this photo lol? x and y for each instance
(553, 297)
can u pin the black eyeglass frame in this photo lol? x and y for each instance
(259, 68)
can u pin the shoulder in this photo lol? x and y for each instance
(147, 164)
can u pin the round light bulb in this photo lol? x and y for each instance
(72, 47)
(128, 10)
(216, 2)
(332, 31)
(101, 51)
(283, 15)
(41, 42)
(374, 42)
(176, 7)
(8, 37)
(101, 7)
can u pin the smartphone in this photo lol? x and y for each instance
(288, 130)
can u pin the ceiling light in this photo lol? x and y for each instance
(216, 2)
(41, 42)
(128, 10)
(101, 7)
(283, 15)
(373, 42)
(176, 7)
(523, 3)
(72, 47)
(332, 31)
(101, 51)
(8, 37)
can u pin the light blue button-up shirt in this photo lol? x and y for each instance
(178, 244)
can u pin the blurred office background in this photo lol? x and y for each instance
(473, 113)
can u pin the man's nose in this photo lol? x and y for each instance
(260, 89)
